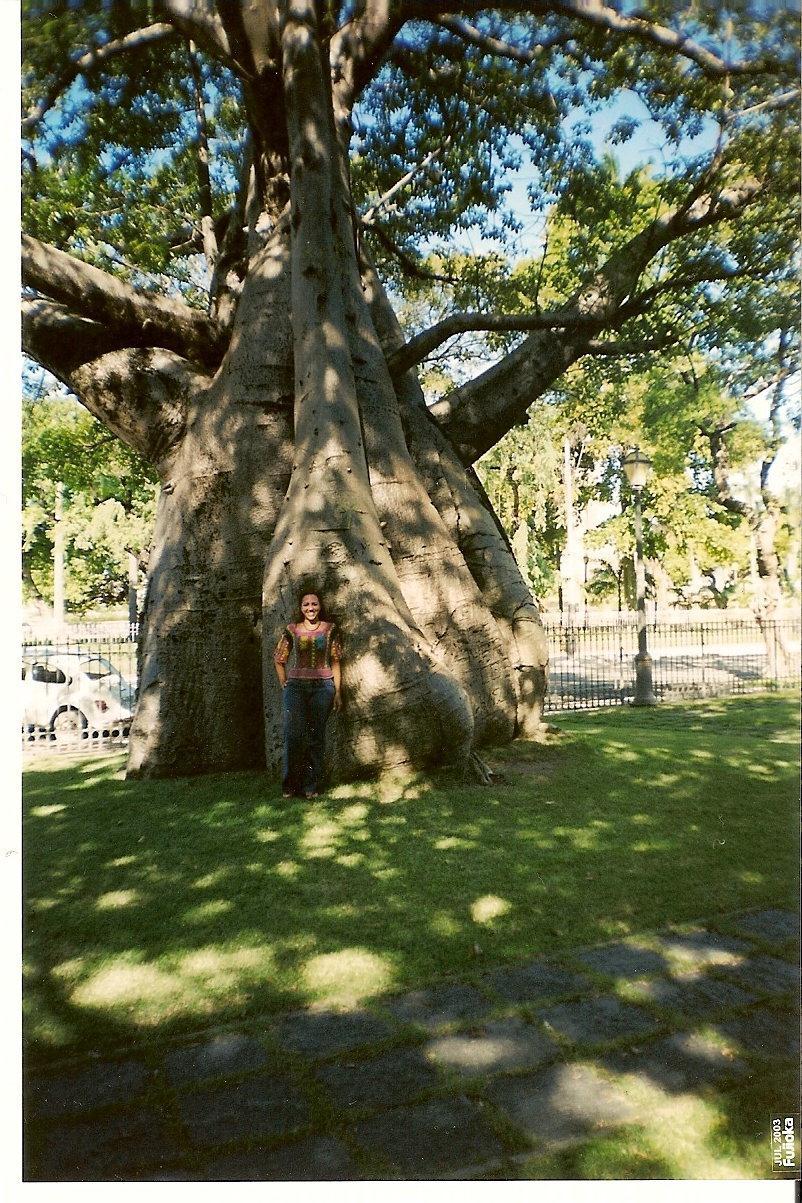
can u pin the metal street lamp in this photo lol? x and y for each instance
(637, 467)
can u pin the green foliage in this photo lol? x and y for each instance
(113, 174)
(109, 502)
(522, 478)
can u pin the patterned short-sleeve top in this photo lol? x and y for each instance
(307, 654)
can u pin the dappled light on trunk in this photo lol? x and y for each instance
(313, 467)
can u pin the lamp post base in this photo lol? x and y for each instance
(644, 687)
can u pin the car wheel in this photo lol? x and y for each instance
(69, 725)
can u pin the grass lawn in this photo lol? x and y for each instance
(157, 907)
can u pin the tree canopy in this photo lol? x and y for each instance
(138, 123)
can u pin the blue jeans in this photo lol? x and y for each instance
(307, 705)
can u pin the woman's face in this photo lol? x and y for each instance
(310, 607)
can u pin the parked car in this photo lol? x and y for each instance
(68, 692)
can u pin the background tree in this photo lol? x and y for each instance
(219, 196)
(109, 501)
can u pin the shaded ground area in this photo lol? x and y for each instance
(659, 1056)
(416, 978)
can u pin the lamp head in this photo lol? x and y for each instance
(637, 467)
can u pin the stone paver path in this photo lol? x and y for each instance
(461, 1079)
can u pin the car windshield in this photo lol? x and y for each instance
(98, 668)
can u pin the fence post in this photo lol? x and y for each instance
(704, 675)
(776, 656)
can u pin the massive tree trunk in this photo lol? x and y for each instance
(303, 463)
(427, 672)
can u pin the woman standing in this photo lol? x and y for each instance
(307, 659)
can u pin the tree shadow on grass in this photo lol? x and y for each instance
(156, 908)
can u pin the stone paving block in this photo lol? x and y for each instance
(765, 1033)
(680, 1062)
(561, 1104)
(532, 983)
(317, 1159)
(770, 925)
(85, 1088)
(597, 1020)
(383, 1081)
(114, 1147)
(428, 1139)
(766, 975)
(699, 949)
(434, 1007)
(497, 1047)
(264, 1105)
(623, 961)
(700, 996)
(320, 1033)
(224, 1054)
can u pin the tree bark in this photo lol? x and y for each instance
(302, 464)
(200, 698)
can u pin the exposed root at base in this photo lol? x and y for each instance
(477, 772)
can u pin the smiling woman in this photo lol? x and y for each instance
(307, 659)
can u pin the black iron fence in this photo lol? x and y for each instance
(595, 666)
(80, 694)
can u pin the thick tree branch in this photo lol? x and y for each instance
(199, 20)
(419, 347)
(783, 101)
(401, 183)
(141, 320)
(140, 394)
(232, 262)
(591, 309)
(775, 419)
(357, 48)
(61, 340)
(602, 16)
(89, 61)
(721, 473)
(641, 301)
(597, 15)
(204, 175)
(480, 412)
(497, 47)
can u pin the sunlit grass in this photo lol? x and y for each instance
(154, 905)
(722, 1136)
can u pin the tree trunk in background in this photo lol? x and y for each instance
(781, 659)
(133, 583)
(58, 555)
(572, 558)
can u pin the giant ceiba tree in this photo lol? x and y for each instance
(311, 151)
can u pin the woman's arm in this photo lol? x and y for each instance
(335, 668)
(280, 657)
